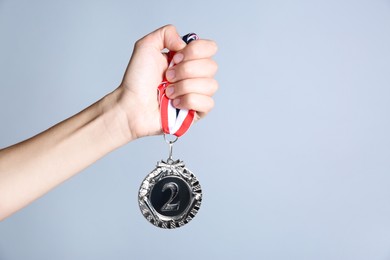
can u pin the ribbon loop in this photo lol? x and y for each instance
(174, 121)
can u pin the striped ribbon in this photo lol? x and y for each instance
(174, 121)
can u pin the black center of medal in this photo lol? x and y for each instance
(170, 196)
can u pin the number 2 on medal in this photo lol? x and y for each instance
(174, 191)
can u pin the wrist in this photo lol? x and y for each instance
(115, 119)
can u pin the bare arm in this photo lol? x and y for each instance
(33, 167)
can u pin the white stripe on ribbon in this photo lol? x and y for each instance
(175, 122)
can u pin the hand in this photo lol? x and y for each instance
(192, 79)
(130, 112)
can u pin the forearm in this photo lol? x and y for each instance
(33, 167)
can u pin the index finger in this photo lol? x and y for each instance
(199, 49)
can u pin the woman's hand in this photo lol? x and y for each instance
(192, 79)
(31, 168)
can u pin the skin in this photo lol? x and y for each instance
(33, 167)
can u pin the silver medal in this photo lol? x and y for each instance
(170, 196)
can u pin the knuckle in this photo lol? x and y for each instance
(208, 105)
(215, 85)
(194, 50)
(185, 86)
(211, 104)
(138, 43)
(190, 101)
(214, 46)
(186, 70)
(214, 65)
(168, 27)
(144, 41)
(165, 28)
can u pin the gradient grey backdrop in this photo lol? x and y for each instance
(294, 159)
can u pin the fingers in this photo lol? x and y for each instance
(202, 104)
(199, 49)
(194, 94)
(203, 86)
(201, 68)
(164, 37)
(192, 77)
(194, 61)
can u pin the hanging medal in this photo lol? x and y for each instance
(170, 196)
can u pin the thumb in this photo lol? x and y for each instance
(164, 37)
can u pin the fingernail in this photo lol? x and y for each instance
(169, 91)
(178, 58)
(176, 102)
(171, 74)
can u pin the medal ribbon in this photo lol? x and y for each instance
(173, 120)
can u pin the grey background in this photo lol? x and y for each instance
(294, 160)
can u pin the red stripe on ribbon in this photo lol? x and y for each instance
(164, 102)
(171, 122)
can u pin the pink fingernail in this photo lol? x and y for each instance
(171, 74)
(176, 102)
(178, 58)
(169, 91)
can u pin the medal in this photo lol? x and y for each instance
(170, 196)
